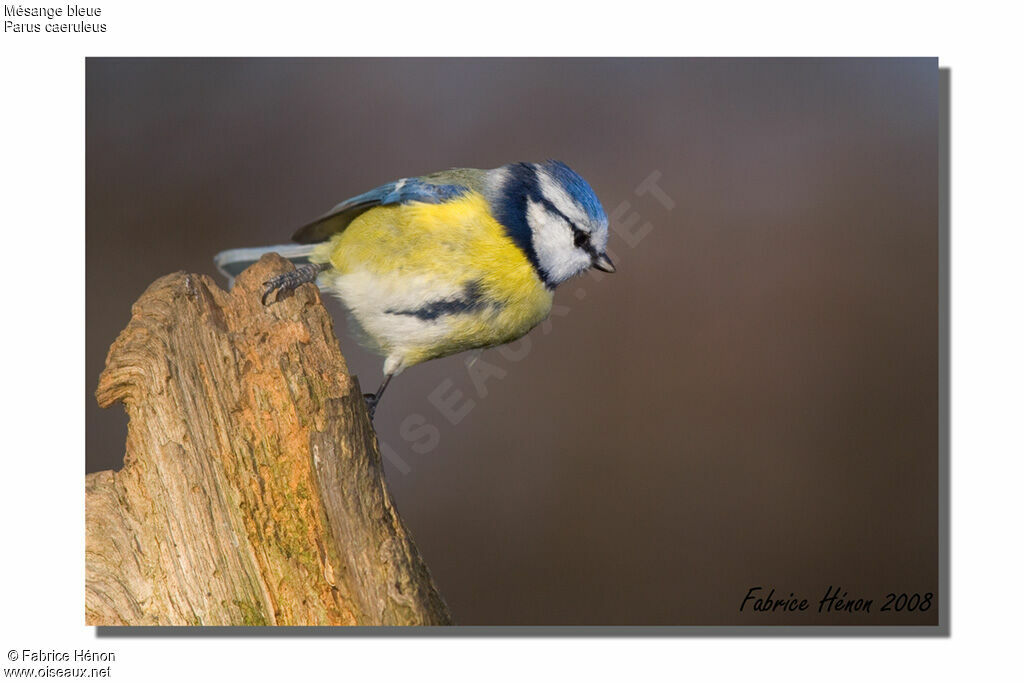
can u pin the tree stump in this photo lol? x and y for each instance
(252, 490)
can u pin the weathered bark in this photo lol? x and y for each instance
(252, 490)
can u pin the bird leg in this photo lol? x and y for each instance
(286, 282)
(373, 399)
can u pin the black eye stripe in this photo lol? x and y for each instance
(582, 241)
(551, 208)
(580, 238)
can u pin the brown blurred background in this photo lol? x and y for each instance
(751, 400)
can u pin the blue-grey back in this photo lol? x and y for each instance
(433, 188)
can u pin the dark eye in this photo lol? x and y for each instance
(579, 238)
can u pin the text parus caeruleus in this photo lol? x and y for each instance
(447, 262)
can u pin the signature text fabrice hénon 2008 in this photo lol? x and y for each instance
(38, 19)
(835, 599)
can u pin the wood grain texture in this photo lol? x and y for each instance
(252, 490)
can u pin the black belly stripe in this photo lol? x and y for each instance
(470, 299)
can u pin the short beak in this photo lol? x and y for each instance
(602, 262)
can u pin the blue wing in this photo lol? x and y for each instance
(401, 191)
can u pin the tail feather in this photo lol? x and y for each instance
(233, 261)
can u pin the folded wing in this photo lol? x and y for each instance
(432, 189)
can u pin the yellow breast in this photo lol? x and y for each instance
(393, 260)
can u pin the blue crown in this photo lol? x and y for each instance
(578, 188)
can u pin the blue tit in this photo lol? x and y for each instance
(446, 262)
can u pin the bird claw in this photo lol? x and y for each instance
(286, 282)
(371, 403)
(271, 286)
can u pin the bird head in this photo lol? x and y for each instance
(554, 215)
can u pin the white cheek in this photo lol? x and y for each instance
(553, 243)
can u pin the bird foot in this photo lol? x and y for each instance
(286, 282)
(371, 403)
